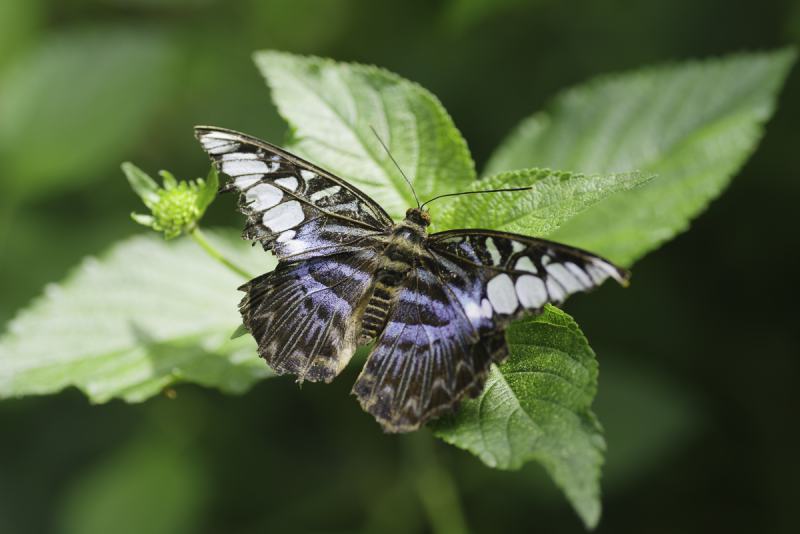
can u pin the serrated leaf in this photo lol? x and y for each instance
(71, 80)
(692, 124)
(537, 406)
(555, 197)
(145, 315)
(331, 108)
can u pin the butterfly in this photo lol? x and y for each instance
(435, 305)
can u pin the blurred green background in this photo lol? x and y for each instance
(699, 362)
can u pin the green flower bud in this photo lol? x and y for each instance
(176, 210)
(177, 207)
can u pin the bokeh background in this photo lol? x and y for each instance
(699, 361)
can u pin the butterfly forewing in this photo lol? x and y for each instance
(505, 275)
(293, 207)
(325, 233)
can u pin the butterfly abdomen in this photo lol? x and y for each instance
(395, 265)
(374, 318)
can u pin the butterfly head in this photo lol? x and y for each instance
(418, 216)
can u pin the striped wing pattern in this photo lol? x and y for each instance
(428, 356)
(324, 233)
(301, 314)
(436, 305)
(293, 207)
(499, 276)
(447, 326)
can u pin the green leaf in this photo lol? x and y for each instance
(145, 315)
(113, 80)
(692, 124)
(208, 190)
(331, 107)
(555, 197)
(537, 406)
(142, 184)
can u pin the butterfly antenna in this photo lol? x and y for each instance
(476, 192)
(396, 165)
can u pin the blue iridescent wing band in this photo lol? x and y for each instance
(301, 314)
(428, 356)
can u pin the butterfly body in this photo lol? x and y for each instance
(403, 245)
(435, 305)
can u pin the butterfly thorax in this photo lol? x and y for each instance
(403, 247)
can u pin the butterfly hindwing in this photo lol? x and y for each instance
(428, 356)
(301, 314)
(293, 207)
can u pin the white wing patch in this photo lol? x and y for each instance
(290, 183)
(531, 291)
(283, 216)
(246, 180)
(219, 142)
(330, 191)
(579, 274)
(263, 196)
(557, 293)
(288, 235)
(486, 308)
(525, 264)
(607, 270)
(502, 294)
(476, 312)
(493, 252)
(239, 167)
(561, 274)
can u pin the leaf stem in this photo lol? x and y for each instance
(435, 487)
(201, 240)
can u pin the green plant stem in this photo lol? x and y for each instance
(201, 240)
(435, 487)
